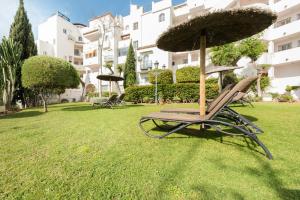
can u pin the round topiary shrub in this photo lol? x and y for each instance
(188, 75)
(164, 76)
(48, 75)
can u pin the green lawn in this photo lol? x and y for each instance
(77, 152)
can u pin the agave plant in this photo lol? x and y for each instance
(10, 60)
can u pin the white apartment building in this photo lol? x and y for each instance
(58, 37)
(143, 29)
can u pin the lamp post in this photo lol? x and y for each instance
(156, 74)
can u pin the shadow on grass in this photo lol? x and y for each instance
(266, 173)
(210, 134)
(263, 170)
(178, 171)
(90, 107)
(25, 114)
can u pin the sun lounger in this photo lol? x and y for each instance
(213, 119)
(109, 103)
(120, 99)
(226, 112)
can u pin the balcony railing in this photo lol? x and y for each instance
(286, 56)
(283, 5)
(146, 65)
(284, 30)
(108, 58)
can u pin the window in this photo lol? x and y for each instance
(44, 53)
(298, 43)
(80, 39)
(298, 16)
(122, 51)
(185, 61)
(70, 59)
(76, 52)
(161, 17)
(127, 27)
(284, 46)
(135, 44)
(65, 31)
(283, 22)
(91, 54)
(106, 38)
(135, 26)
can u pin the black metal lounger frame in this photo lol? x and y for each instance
(213, 122)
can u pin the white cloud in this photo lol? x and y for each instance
(8, 10)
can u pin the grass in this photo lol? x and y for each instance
(75, 152)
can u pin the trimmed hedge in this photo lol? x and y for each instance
(165, 76)
(188, 92)
(188, 75)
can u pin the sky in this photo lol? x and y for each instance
(79, 11)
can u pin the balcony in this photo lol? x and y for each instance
(287, 56)
(146, 65)
(283, 5)
(284, 31)
(108, 58)
(91, 33)
(79, 68)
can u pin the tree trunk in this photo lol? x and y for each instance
(259, 92)
(44, 103)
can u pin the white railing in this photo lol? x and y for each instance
(284, 4)
(284, 31)
(290, 55)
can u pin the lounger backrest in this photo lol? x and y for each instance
(112, 98)
(243, 93)
(241, 86)
(223, 93)
(239, 96)
(121, 97)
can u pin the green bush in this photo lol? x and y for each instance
(188, 75)
(229, 78)
(188, 92)
(285, 98)
(164, 77)
(264, 83)
(291, 88)
(96, 94)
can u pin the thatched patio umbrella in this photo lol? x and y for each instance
(214, 29)
(110, 78)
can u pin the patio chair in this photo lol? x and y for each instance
(120, 99)
(226, 112)
(241, 99)
(213, 119)
(106, 103)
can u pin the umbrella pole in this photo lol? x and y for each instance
(202, 74)
(109, 88)
(220, 81)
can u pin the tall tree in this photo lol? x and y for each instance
(20, 32)
(130, 65)
(10, 60)
(253, 48)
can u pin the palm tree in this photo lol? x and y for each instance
(120, 68)
(10, 60)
